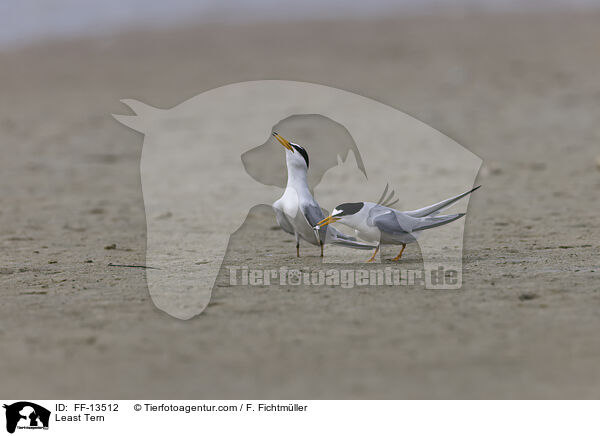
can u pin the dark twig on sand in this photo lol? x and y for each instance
(132, 266)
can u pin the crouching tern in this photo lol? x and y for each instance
(298, 213)
(378, 222)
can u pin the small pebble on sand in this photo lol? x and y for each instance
(528, 296)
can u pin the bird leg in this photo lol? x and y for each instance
(321, 244)
(401, 251)
(297, 249)
(374, 254)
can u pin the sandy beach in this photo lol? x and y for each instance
(519, 91)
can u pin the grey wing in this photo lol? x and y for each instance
(283, 222)
(393, 223)
(313, 214)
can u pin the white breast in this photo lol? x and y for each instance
(288, 203)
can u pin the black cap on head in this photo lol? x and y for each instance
(302, 152)
(349, 208)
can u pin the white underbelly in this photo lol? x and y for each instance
(288, 203)
(290, 206)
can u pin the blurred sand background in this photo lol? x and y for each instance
(519, 89)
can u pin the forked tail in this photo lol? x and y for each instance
(436, 208)
(430, 222)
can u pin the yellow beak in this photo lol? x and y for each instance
(330, 219)
(283, 141)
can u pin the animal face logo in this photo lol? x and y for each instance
(208, 161)
(24, 414)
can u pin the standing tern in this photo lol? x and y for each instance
(297, 212)
(378, 222)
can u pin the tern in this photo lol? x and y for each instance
(297, 212)
(378, 222)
